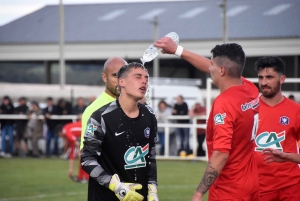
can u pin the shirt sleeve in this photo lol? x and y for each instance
(223, 126)
(152, 173)
(84, 119)
(93, 138)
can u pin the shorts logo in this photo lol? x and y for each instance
(147, 132)
(90, 128)
(219, 118)
(284, 120)
(135, 157)
(270, 140)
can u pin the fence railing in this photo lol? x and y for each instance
(192, 125)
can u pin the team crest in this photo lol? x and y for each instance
(90, 128)
(219, 118)
(135, 157)
(284, 120)
(147, 132)
(269, 140)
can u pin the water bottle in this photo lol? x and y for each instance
(151, 52)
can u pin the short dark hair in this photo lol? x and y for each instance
(126, 68)
(270, 62)
(22, 98)
(235, 53)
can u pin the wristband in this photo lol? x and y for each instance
(179, 50)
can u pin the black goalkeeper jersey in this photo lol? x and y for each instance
(117, 144)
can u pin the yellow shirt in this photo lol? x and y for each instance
(102, 100)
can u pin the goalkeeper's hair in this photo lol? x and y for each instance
(124, 70)
(270, 62)
(231, 56)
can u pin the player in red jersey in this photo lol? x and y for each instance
(231, 173)
(72, 133)
(278, 128)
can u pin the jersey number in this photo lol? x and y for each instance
(255, 126)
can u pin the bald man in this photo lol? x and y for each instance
(111, 93)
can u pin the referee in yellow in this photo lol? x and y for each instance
(111, 93)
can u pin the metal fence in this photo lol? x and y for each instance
(192, 125)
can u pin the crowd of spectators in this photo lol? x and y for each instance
(17, 134)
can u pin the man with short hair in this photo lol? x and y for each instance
(119, 148)
(109, 76)
(231, 173)
(278, 128)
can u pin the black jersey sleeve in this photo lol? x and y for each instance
(152, 173)
(93, 138)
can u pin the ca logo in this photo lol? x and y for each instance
(135, 157)
(90, 128)
(219, 118)
(271, 140)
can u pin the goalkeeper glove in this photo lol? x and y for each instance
(125, 191)
(152, 192)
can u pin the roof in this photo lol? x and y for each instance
(122, 22)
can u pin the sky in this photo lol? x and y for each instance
(13, 9)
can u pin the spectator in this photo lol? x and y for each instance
(51, 109)
(199, 110)
(92, 99)
(163, 111)
(34, 129)
(64, 108)
(20, 127)
(79, 107)
(7, 127)
(181, 108)
(292, 97)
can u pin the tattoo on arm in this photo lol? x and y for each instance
(208, 179)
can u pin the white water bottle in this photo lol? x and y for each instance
(151, 52)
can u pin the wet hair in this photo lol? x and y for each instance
(270, 62)
(126, 68)
(235, 54)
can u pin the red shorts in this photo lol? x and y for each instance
(252, 197)
(290, 193)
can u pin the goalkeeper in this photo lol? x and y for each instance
(119, 143)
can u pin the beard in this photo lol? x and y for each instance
(114, 90)
(271, 93)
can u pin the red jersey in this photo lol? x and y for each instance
(229, 130)
(278, 128)
(72, 131)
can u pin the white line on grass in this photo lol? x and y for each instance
(43, 196)
(81, 193)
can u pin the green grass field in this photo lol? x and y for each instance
(47, 180)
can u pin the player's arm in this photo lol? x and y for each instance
(93, 139)
(212, 171)
(273, 155)
(169, 46)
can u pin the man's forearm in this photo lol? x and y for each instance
(213, 169)
(198, 61)
(292, 157)
(209, 177)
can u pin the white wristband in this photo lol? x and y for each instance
(179, 50)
